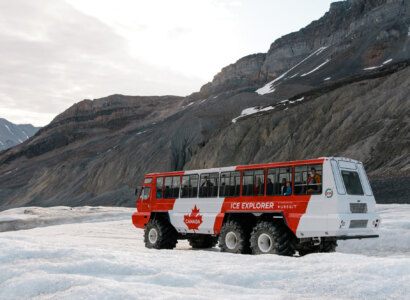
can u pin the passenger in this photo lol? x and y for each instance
(288, 189)
(283, 186)
(185, 191)
(257, 187)
(316, 176)
(207, 182)
(315, 180)
(269, 187)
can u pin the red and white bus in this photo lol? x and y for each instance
(280, 208)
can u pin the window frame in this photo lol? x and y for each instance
(172, 187)
(143, 189)
(162, 187)
(304, 184)
(229, 185)
(254, 176)
(200, 187)
(189, 184)
(278, 173)
(358, 177)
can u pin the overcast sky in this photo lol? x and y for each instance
(55, 53)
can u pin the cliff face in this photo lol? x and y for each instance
(338, 87)
(245, 72)
(353, 35)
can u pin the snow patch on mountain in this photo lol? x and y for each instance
(252, 110)
(376, 67)
(269, 88)
(315, 69)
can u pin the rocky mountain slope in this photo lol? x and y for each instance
(338, 87)
(13, 134)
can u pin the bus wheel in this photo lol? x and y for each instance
(159, 234)
(203, 241)
(233, 238)
(329, 246)
(269, 238)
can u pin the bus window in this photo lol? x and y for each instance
(276, 182)
(189, 186)
(300, 184)
(160, 182)
(147, 180)
(171, 187)
(253, 183)
(308, 180)
(176, 180)
(145, 193)
(168, 187)
(352, 183)
(230, 184)
(209, 185)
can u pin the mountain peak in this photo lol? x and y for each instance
(13, 134)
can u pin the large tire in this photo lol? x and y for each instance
(270, 238)
(203, 241)
(159, 234)
(234, 238)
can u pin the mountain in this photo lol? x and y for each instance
(14, 134)
(338, 87)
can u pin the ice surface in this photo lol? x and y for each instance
(108, 260)
(31, 217)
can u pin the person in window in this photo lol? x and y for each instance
(288, 191)
(316, 179)
(257, 187)
(269, 187)
(283, 186)
(207, 182)
(316, 176)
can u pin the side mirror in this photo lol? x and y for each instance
(136, 191)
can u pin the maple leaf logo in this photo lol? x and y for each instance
(193, 220)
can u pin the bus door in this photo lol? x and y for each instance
(144, 198)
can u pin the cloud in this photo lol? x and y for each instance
(53, 55)
(57, 52)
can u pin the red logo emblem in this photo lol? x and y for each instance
(193, 220)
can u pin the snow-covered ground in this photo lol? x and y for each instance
(102, 256)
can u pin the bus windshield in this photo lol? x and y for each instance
(352, 183)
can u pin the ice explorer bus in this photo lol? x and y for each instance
(279, 208)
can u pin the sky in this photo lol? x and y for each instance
(55, 53)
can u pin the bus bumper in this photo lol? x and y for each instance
(340, 226)
(140, 219)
